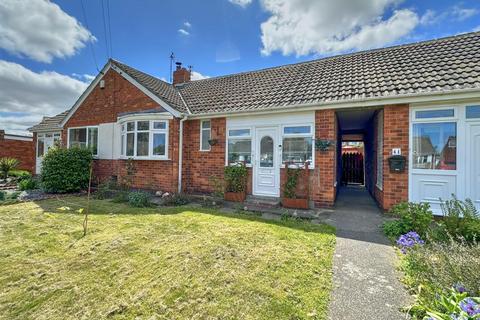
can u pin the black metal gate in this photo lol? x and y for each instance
(352, 168)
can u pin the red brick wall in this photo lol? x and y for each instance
(23, 151)
(103, 106)
(323, 191)
(395, 129)
(199, 166)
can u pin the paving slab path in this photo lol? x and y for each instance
(366, 282)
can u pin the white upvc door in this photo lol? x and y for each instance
(473, 162)
(266, 169)
(44, 142)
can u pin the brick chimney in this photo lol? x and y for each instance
(181, 75)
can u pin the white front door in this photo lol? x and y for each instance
(266, 170)
(44, 142)
(473, 163)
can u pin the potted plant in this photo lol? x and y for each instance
(290, 197)
(235, 182)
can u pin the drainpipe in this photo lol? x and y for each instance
(180, 153)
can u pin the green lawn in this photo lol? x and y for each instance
(159, 264)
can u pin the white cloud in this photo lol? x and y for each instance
(84, 77)
(304, 27)
(241, 3)
(40, 30)
(187, 24)
(198, 76)
(461, 14)
(27, 96)
(183, 32)
(431, 17)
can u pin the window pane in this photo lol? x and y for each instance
(473, 112)
(205, 137)
(142, 143)
(266, 152)
(206, 124)
(130, 144)
(435, 146)
(122, 147)
(93, 140)
(240, 150)
(297, 150)
(239, 132)
(40, 147)
(143, 125)
(434, 113)
(78, 137)
(159, 125)
(130, 126)
(296, 130)
(159, 144)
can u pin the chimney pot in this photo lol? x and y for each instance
(181, 75)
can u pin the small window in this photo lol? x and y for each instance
(297, 130)
(297, 149)
(159, 125)
(205, 134)
(473, 112)
(239, 133)
(143, 125)
(40, 146)
(442, 113)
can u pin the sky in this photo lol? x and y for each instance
(51, 50)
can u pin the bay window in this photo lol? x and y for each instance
(84, 137)
(145, 139)
(297, 144)
(239, 145)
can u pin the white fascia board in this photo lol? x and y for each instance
(463, 95)
(20, 138)
(147, 92)
(145, 116)
(86, 93)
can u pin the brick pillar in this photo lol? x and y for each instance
(395, 129)
(323, 189)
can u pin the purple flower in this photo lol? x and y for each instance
(409, 240)
(460, 288)
(469, 306)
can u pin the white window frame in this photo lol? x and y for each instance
(311, 135)
(457, 116)
(87, 136)
(201, 134)
(379, 142)
(151, 131)
(233, 138)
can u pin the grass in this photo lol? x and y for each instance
(159, 264)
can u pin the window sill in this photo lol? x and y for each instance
(145, 158)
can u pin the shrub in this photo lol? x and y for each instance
(393, 229)
(20, 174)
(106, 189)
(66, 170)
(461, 219)
(28, 184)
(290, 187)
(139, 199)
(121, 196)
(7, 165)
(236, 178)
(433, 268)
(176, 199)
(413, 217)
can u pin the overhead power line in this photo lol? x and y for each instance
(89, 42)
(109, 28)
(105, 31)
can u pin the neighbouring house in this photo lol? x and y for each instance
(20, 147)
(420, 101)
